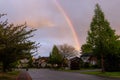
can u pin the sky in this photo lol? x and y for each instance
(59, 21)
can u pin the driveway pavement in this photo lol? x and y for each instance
(46, 74)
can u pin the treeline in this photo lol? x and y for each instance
(61, 54)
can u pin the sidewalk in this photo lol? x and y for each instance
(24, 76)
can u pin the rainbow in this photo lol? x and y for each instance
(69, 23)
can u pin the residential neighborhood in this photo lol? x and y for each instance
(59, 40)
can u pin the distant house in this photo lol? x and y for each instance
(71, 56)
(43, 62)
(89, 58)
(74, 63)
(23, 63)
(40, 62)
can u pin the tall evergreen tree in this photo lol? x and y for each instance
(86, 48)
(55, 57)
(101, 36)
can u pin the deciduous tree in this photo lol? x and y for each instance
(14, 43)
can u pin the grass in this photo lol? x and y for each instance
(105, 74)
(9, 75)
(95, 72)
(81, 70)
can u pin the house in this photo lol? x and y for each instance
(89, 58)
(72, 60)
(40, 62)
(43, 62)
(74, 63)
(23, 63)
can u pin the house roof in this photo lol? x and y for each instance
(86, 54)
(71, 57)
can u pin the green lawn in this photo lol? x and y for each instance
(9, 75)
(105, 74)
(95, 72)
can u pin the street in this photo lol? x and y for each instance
(46, 74)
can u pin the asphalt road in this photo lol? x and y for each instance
(46, 74)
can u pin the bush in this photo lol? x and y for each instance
(86, 65)
(112, 63)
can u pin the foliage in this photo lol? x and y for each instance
(55, 57)
(106, 74)
(30, 63)
(67, 50)
(86, 48)
(14, 43)
(9, 75)
(102, 38)
(112, 63)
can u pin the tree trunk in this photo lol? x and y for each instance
(4, 67)
(102, 63)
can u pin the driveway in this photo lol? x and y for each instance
(46, 74)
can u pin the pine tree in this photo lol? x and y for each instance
(101, 36)
(55, 57)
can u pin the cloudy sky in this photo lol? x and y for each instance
(59, 21)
